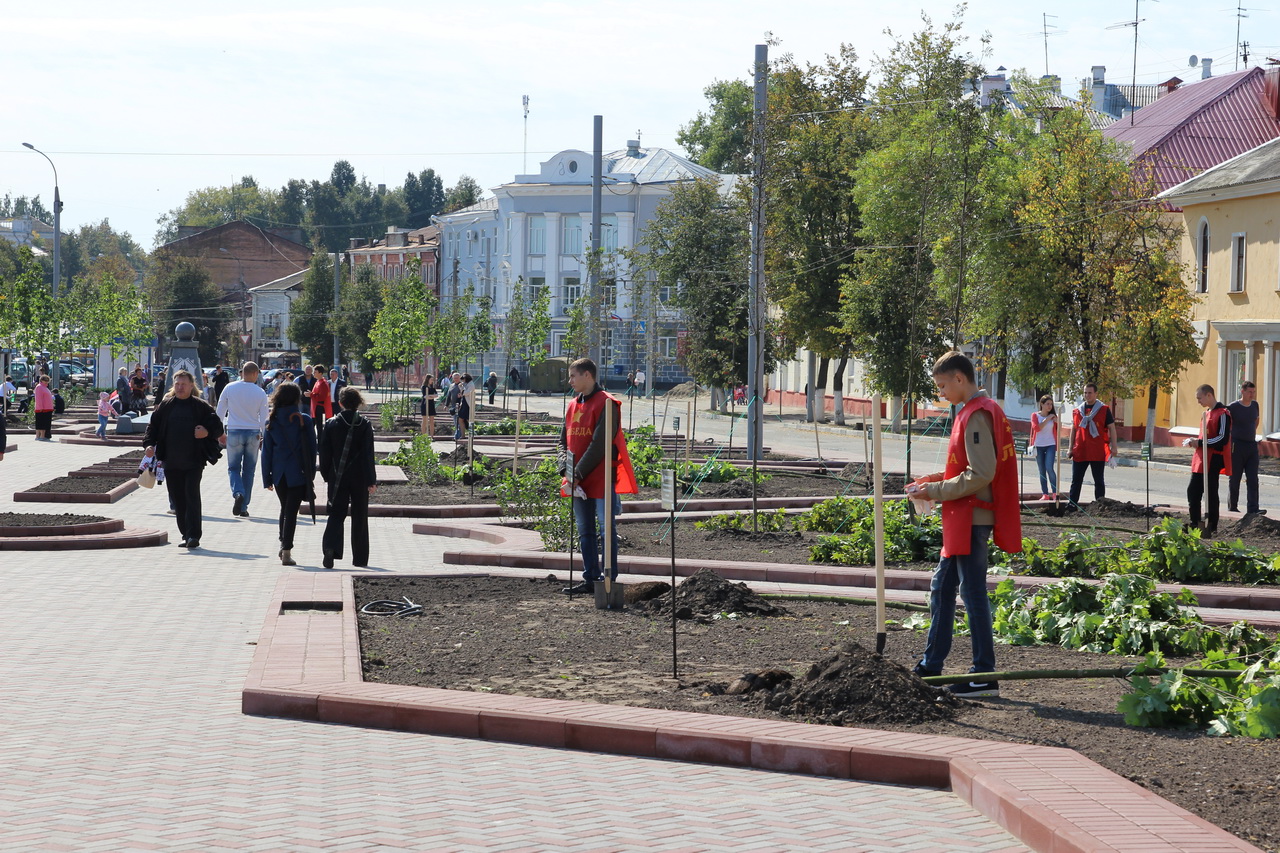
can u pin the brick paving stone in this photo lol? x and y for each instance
(123, 731)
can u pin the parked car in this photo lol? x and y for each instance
(20, 370)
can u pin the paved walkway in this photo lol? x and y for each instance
(120, 726)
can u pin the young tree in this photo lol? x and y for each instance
(406, 323)
(528, 323)
(720, 138)
(310, 313)
(360, 301)
(29, 316)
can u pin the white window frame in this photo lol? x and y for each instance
(1203, 236)
(1239, 261)
(668, 347)
(567, 290)
(1237, 365)
(571, 234)
(609, 232)
(537, 234)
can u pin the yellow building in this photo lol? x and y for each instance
(1231, 245)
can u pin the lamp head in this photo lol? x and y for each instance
(28, 145)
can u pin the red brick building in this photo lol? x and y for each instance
(390, 254)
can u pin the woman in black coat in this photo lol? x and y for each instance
(289, 461)
(346, 463)
(183, 433)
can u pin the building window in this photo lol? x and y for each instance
(557, 344)
(570, 292)
(667, 347)
(609, 295)
(506, 236)
(572, 235)
(1236, 364)
(1237, 263)
(606, 348)
(1202, 267)
(609, 232)
(537, 234)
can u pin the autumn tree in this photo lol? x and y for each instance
(179, 289)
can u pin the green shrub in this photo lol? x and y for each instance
(533, 497)
(906, 538)
(418, 457)
(766, 522)
(1248, 706)
(392, 409)
(507, 426)
(646, 456)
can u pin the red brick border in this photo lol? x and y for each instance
(78, 497)
(88, 528)
(307, 666)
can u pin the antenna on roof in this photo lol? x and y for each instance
(1242, 47)
(1044, 17)
(525, 168)
(1134, 83)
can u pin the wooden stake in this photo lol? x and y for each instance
(608, 496)
(688, 436)
(879, 514)
(515, 447)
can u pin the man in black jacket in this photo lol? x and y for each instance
(183, 433)
(346, 463)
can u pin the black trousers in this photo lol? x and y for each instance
(1244, 462)
(1077, 479)
(290, 498)
(344, 500)
(184, 492)
(1196, 491)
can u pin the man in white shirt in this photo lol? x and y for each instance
(244, 408)
(640, 377)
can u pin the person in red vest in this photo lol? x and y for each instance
(586, 447)
(321, 399)
(1092, 442)
(1215, 442)
(978, 491)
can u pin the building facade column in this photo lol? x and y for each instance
(1250, 373)
(552, 236)
(1268, 401)
(1222, 366)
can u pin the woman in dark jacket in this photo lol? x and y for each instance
(346, 463)
(428, 408)
(288, 461)
(183, 433)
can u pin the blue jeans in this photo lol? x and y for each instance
(101, 432)
(1046, 460)
(968, 573)
(588, 514)
(242, 461)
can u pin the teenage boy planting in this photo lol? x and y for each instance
(979, 494)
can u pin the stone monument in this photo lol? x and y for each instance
(184, 354)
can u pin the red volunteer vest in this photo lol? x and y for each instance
(1210, 425)
(957, 515)
(1084, 447)
(580, 425)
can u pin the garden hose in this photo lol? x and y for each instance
(384, 607)
(1120, 672)
(844, 599)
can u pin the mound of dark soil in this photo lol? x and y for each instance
(1255, 525)
(459, 456)
(44, 519)
(1108, 508)
(775, 537)
(855, 687)
(705, 594)
(739, 488)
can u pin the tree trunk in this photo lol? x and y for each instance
(895, 403)
(1152, 391)
(839, 395)
(824, 365)
(811, 412)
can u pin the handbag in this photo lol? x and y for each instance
(147, 479)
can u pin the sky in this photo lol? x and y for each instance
(140, 103)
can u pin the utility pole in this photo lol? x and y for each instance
(755, 313)
(337, 284)
(525, 168)
(596, 299)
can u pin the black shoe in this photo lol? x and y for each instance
(920, 670)
(975, 689)
(238, 506)
(1232, 509)
(183, 543)
(244, 513)
(583, 588)
(193, 544)
(328, 559)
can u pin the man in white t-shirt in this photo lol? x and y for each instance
(640, 382)
(244, 408)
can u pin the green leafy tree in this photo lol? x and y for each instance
(480, 328)
(720, 138)
(359, 303)
(310, 313)
(179, 289)
(405, 325)
(423, 196)
(696, 245)
(464, 193)
(528, 323)
(29, 316)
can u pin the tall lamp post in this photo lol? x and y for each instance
(57, 254)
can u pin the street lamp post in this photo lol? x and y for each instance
(57, 254)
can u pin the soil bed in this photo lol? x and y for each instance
(44, 519)
(80, 485)
(524, 637)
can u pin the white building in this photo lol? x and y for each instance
(537, 228)
(270, 344)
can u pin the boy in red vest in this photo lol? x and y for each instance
(979, 493)
(1091, 443)
(1214, 441)
(586, 447)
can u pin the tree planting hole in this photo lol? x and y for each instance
(310, 607)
